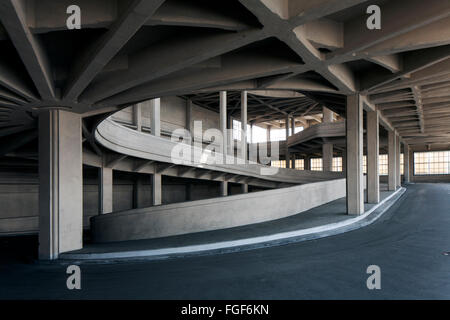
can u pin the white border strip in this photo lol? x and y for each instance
(235, 243)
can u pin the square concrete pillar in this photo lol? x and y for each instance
(155, 112)
(223, 122)
(355, 188)
(105, 187)
(406, 157)
(60, 183)
(156, 189)
(373, 151)
(244, 125)
(188, 124)
(398, 178)
(307, 163)
(287, 155)
(327, 157)
(137, 116)
(392, 155)
(224, 188)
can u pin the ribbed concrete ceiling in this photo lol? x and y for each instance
(129, 51)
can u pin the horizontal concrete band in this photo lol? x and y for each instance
(251, 243)
(214, 214)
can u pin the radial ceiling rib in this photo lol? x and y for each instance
(107, 47)
(13, 17)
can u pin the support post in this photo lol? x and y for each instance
(224, 188)
(406, 168)
(392, 154)
(355, 188)
(137, 116)
(398, 178)
(287, 155)
(105, 190)
(223, 123)
(156, 189)
(60, 183)
(188, 124)
(244, 125)
(307, 163)
(373, 147)
(155, 105)
(327, 148)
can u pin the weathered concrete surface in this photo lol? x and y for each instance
(212, 214)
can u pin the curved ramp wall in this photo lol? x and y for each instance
(120, 139)
(214, 214)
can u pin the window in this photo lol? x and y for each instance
(337, 164)
(365, 164)
(402, 165)
(433, 162)
(383, 164)
(259, 134)
(277, 134)
(316, 164)
(278, 163)
(299, 164)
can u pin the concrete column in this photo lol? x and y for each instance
(244, 125)
(268, 133)
(344, 161)
(355, 188)
(105, 190)
(392, 154)
(327, 148)
(137, 116)
(244, 188)
(223, 122)
(188, 124)
(373, 147)
(293, 161)
(406, 156)
(60, 183)
(155, 107)
(327, 157)
(230, 139)
(307, 163)
(224, 188)
(286, 152)
(156, 189)
(398, 178)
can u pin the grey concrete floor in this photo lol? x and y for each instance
(407, 243)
